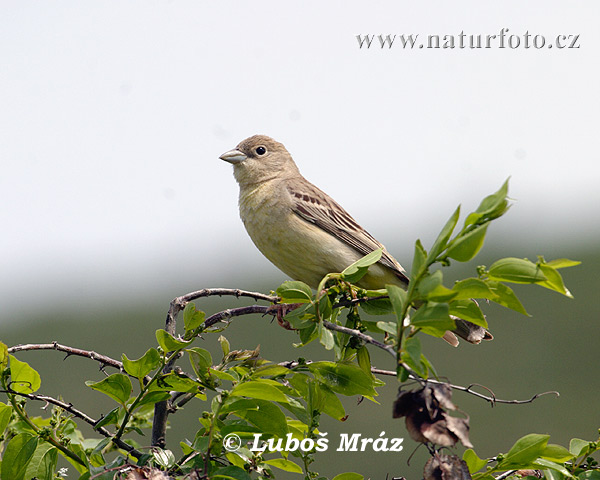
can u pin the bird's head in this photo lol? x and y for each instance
(260, 158)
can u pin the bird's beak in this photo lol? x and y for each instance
(233, 156)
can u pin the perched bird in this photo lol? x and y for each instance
(302, 230)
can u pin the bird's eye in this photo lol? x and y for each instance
(261, 150)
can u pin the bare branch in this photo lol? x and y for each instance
(103, 359)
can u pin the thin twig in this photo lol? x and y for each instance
(492, 398)
(360, 335)
(79, 414)
(504, 475)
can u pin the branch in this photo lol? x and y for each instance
(161, 409)
(237, 312)
(103, 359)
(79, 414)
(360, 335)
(179, 303)
(492, 398)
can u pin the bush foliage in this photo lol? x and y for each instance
(260, 419)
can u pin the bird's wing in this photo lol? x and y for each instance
(315, 206)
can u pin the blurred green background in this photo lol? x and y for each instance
(556, 349)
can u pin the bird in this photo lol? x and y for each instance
(303, 231)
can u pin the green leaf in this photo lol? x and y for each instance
(43, 462)
(433, 315)
(468, 310)
(283, 464)
(332, 405)
(491, 207)
(294, 292)
(308, 334)
(348, 476)
(506, 297)
(327, 400)
(419, 260)
(562, 263)
(326, 337)
(17, 455)
(579, 447)
(231, 472)
(589, 475)
(516, 270)
(23, 378)
(176, 382)
(3, 355)
(555, 281)
(225, 347)
(5, 413)
(270, 371)
(117, 386)
(260, 390)
(430, 282)
(223, 375)
(358, 269)
(163, 458)
(388, 327)
(192, 318)
(363, 358)
(344, 378)
(302, 317)
(168, 343)
(442, 240)
(142, 366)
(266, 416)
(473, 461)
(200, 360)
(465, 247)
(412, 356)
(112, 418)
(398, 299)
(472, 288)
(525, 451)
(150, 398)
(556, 453)
(381, 306)
(440, 294)
(542, 463)
(96, 457)
(238, 404)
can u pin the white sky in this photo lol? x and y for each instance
(113, 115)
